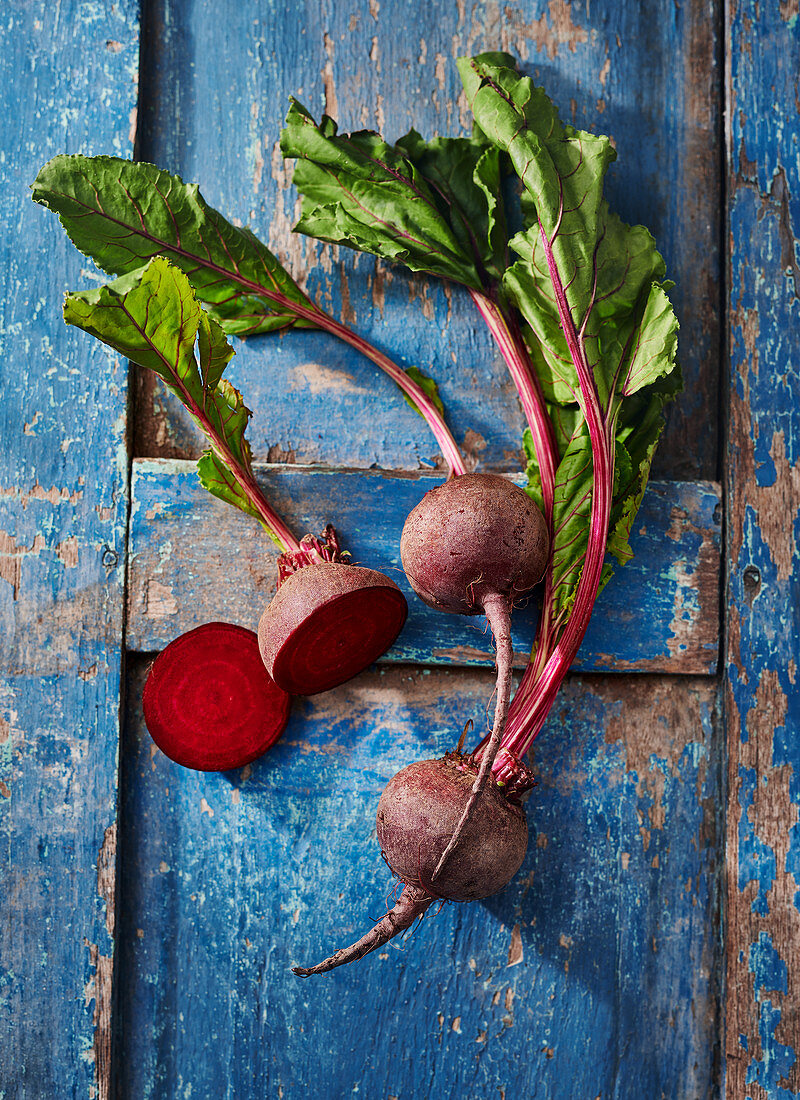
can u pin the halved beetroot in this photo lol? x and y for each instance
(328, 622)
(209, 703)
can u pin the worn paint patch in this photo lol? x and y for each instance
(516, 952)
(472, 447)
(67, 552)
(464, 655)
(99, 987)
(12, 555)
(160, 602)
(318, 379)
(695, 619)
(655, 732)
(53, 495)
(331, 102)
(99, 990)
(545, 34)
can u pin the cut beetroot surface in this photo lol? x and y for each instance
(209, 703)
(327, 623)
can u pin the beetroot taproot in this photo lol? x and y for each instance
(477, 543)
(418, 813)
(208, 701)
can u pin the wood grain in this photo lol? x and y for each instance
(599, 970)
(69, 74)
(649, 77)
(195, 560)
(763, 707)
(595, 973)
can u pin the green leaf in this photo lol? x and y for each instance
(122, 213)
(360, 191)
(655, 344)
(592, 293)
(152, 317)
(214, 351)
(215, 474)
(638, 429)
(572, 508)
(554, 162)
(532, 470)
(465, 177)
(427, 385)
(609, 272)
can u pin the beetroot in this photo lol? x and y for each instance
(327, 623)
(474, 544)
(447, 830)
(208, 701)
(426, 800)
(418, 813)
(472, 537)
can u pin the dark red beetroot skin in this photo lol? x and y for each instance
(208, 701)
(470, 537)
(426, 800)
(418, 813)
(471, 545)
(475, 544)
(327, 623)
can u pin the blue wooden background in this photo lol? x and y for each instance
(149, 914)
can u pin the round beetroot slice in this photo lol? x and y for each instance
(209, 703)
(327, 623)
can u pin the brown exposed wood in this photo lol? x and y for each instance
(763, 921)
(153, 423)
(101, 986)
(772, 813)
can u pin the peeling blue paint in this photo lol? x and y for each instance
(609, 937)
(556, 987)
(671, 583)
(764, 538)
(61, 609)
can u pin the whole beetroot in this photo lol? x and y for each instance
(447, 830)
(476, 536)
(426, 799)
(476, 544)
(418, 812)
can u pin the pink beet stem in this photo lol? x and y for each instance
(412, 903)
(555, 654)
(278, 530)
(512, 347)
(433, 417)
(496, 609)
(323, 320)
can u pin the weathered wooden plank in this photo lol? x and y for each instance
(646, 73)
(194, 560)
(69, 77)
(594, 974)
(763, 706)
